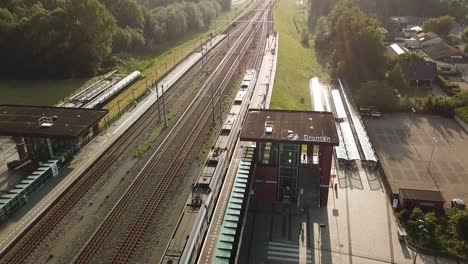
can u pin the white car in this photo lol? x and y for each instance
(458, 203)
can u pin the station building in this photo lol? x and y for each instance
(294, 151)
(46, 139)
(42, 132)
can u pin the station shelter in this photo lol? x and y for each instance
(42, 133)
(294, 155)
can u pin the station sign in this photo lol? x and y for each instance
(323, 139)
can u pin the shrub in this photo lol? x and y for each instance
(379, 94)
(462, 112)
(449, 87)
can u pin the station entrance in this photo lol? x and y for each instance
(294, 155)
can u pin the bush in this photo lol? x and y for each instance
(379, 94)
(449, 87)
(462, 112)
(436, 233)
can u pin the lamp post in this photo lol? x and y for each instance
(432, 153)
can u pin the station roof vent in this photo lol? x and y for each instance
(45, 121)
(268, 127)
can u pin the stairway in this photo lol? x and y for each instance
(309, 179)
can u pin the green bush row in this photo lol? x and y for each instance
(449, 87)
(462, 112)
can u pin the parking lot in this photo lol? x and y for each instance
(404, 144)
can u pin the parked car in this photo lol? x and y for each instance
(458, 203)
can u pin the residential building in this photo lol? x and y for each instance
(394, 50)
(448, 59)
(418, 72)
(422, 40)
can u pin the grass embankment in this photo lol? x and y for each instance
(296, 64)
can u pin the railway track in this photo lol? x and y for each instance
(33, 236)
(196, 117)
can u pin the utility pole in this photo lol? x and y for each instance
(118, 105)
(432, 152)
(212, 103)
(164, 106)
(157, 100)
(220, 108)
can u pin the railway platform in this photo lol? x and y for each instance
(266, 76)
(39, 201)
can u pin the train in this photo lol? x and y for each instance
(113, 91)
(187, 238)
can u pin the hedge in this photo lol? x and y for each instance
(449, 87)
(462, 112)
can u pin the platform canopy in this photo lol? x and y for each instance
(45, 121)
(285, 126)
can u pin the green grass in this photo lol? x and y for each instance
(296, 64)
(41, 92)
(462, 112)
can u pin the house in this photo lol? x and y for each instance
(418, 72)
(449, 59)
(394, 50)
(394, 37)
(422, 40)
(411, 32)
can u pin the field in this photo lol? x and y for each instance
(296, 63)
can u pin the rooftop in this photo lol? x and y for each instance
(45, 121)
(300, 127)
(421, 195)
(419, 69)
(421, 37)
(394, 51)
(442, 50)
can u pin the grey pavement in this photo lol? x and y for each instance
(360, 228)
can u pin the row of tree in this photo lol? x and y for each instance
(386, 8)
(66, 38)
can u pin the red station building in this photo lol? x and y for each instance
(294, 151)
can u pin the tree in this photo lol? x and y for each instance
(459, 222)
(380, 94)
(318, 9)
(441, 25)
(127, 13)
(358, 48)
(396, 79)
(412, 55)
(322, 33)
(91, 27)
